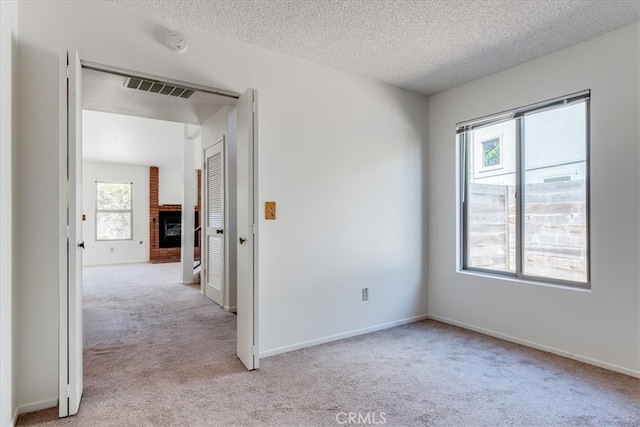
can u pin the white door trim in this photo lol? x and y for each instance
(256, 234)
(63, 350)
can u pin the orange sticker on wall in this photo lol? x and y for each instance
(270, 210)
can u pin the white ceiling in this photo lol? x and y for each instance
(130, 140)
(421, 45)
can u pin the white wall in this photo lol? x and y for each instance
(170, 183)
(601, 326)
(341, 155)
(8, 77)
(212, 132)
(121, 251)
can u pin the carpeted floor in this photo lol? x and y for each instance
(160, 354)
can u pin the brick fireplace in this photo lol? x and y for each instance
(162, 223)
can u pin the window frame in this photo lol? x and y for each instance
(99, 211)
(464, 163)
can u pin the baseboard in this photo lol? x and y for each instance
(187, 283)
(142, 261)
(36, 406)
(14, 421)
(337, 337)
(233, 309)
(537, 346)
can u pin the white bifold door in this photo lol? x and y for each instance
(70, 351)
(247, 229)
(214, 212)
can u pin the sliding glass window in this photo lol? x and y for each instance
(525, 192)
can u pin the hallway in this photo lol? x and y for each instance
(146, 339)
(142, 329)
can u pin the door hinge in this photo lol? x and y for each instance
(67, 72)
(253, 107)
(253, 228)
(255, 351)
(68, 390)
(68, 231)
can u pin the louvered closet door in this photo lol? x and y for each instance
(214, 221)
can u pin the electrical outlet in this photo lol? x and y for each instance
(365, 294)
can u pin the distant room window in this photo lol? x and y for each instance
(525, 195)
(114, 213)
(491, 153)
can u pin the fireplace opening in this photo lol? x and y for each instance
(170, 232)
(170, 229)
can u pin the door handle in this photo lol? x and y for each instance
(219, 231)
(242, 240)
(81, 245)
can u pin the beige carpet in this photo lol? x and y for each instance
(160, 354)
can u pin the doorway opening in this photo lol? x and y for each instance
(109, 91)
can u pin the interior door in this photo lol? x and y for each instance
(214, 243)
(71, 362)
(246, 194)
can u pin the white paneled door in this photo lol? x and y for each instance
(247, 245)
(71, 362)
(214, 212)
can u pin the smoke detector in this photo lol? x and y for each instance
(176, 41)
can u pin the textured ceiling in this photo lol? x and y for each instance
(425, 46)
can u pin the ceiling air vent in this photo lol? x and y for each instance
(158, 87)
